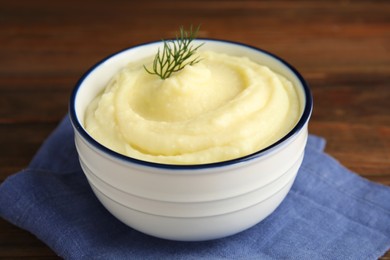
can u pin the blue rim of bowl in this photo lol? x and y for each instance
(301, 123)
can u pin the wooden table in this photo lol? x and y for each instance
(341, 48)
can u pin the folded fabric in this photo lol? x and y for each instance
(330, 213)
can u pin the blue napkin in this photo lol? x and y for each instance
(330, 213)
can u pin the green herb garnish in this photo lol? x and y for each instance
(175, 55)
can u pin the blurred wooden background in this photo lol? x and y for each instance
(342, 48)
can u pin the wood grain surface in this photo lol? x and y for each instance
(342, 48)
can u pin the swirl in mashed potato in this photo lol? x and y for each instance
(221, 108)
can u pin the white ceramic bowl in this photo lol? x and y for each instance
(189, 202)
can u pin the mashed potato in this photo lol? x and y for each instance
(221, 108)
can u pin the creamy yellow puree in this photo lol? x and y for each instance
(221, 108)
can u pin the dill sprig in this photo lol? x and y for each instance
(175, 55)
